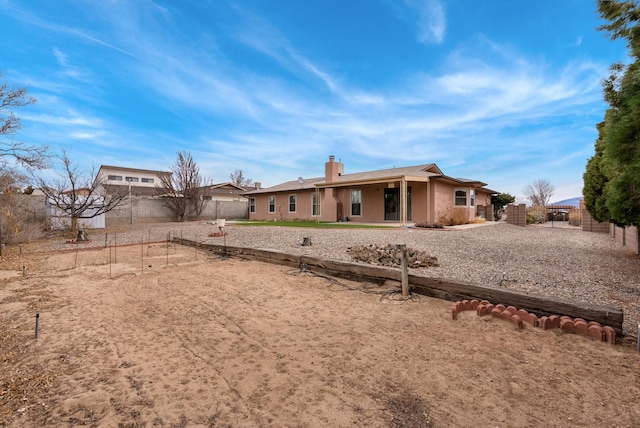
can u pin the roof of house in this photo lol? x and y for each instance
(411, 173)
(124, 168)
(224, 189)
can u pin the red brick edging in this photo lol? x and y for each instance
(519, 317)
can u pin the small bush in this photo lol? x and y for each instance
(478, 220)
(575, 218)
(430, 225)
(536, 215)
(535, 218)
(454, 217)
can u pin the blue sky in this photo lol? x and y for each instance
(505, 92)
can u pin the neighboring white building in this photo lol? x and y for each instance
(140, 181)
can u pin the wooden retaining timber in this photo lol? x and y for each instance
(428, 286)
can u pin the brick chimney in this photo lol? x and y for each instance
(332, 170)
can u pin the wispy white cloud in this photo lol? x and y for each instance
(71, 120)
(576, 43)
(432, 23)
(427, 16)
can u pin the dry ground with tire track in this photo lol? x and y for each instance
(173, 337)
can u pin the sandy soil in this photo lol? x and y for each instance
(167, 336)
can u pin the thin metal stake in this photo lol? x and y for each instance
(37, 324)
(24, 271)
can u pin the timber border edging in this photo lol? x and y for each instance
(428, 286)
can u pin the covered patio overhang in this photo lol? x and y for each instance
(402, 179)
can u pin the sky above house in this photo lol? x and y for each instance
(505, 92)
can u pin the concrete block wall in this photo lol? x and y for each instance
(517, 214)
(485, 211)
(148, 210)
(230, 210)
(590, 225)
(626, 236)
(632, 239)
(32, 206)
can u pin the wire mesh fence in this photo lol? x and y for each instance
(130, 252)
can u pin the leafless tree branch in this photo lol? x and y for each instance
(28, 155)
(539, 192)
(182, 190)
(78, 194)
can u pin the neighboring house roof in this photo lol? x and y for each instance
(411, 173)
(224, 189)
(122, 168)
(309, 183)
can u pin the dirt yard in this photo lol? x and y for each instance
(151, 335)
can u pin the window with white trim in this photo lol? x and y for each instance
(272, 204)
(292, 203)
(131, 179)
(147, 180)
(460, 198)
(114, 177)
(356, 202)
(472, 197)
(252, 205)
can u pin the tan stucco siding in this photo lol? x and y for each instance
(329, 205)
(419, 202)
(483, 198)
(442, 198)
(372, 203)
(282, 206)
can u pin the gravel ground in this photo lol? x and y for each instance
(563, 262)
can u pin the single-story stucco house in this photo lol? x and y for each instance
(420, 193)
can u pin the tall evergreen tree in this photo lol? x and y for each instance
(595, 181)
(612, 176)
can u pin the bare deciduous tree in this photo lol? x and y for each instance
(30, 156)
(237, 177)
(17, 218)
(78, 194)
(539, 192)
(183, 188)
(13, 220)
(11, 180)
